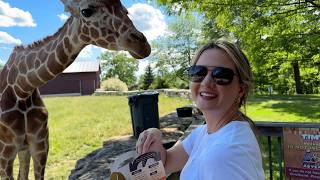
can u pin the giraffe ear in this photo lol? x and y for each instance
(71, 6)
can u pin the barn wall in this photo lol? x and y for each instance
(82, 83)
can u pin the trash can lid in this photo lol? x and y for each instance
(134, 98)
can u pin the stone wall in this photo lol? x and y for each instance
(183, 93)
(98, 164)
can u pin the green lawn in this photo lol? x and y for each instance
(79, 125)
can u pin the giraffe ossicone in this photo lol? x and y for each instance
(23, 116)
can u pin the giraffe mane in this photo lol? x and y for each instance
(40, 42)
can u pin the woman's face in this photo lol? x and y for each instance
(210, 96)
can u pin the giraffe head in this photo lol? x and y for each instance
(105, 23)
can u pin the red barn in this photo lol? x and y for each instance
(80, 78)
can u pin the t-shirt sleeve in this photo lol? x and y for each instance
(189, 141)
(228, 163)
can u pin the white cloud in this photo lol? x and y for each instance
(142, 67)
(6, 38)
(148, 20)
(63, 17)
(86, 52)
(11, 16)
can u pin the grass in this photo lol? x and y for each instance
(79, 125)
(295, 108)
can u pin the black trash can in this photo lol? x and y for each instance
(144, 111)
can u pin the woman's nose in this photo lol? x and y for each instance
(208, 81)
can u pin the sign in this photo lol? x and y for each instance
(301, 153)
(147, 166)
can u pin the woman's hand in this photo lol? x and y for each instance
(149, 140)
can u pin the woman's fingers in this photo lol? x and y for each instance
(146, 139)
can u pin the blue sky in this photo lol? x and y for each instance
(25, 21)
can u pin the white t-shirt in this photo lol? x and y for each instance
(232, 152)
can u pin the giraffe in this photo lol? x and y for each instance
(23, 116)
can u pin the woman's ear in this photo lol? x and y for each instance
(242, 90)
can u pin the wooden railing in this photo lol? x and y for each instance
(271, 140)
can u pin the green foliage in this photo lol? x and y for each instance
(280, 37)
(114, 84)
(173, 53)
(116, 64)
(148, 78)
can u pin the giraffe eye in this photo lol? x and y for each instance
(87, 12)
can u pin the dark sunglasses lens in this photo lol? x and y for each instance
(197, 73)
(222, 76)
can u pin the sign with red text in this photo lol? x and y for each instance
(301, 153)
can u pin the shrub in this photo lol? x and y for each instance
(114, 84)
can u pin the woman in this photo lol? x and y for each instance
(226, 146)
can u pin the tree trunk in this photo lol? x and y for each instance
(297, 78)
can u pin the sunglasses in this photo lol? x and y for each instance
(221, 75)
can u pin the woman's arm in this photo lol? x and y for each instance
(173, 159)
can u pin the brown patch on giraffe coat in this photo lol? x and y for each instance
(20, 92)
(123, 29)
(44, 74)
(36, 99)
(111, 39)
(40, 146)
(22, 105)
(22, 81)
(96, 24)
(53, 65)
(63, 58)
(6, 135)
(85, 30)
(37, 63)
(75, 39)
(94, 33)
(43, 132)
(84, 38)
(67, 45)
(42, 157)
(3, 164)
(102, 43)
(30, 60)
(13, 73)
(8, 99)
(48, 48)
(23, 67)
(36, 119)
(14, 120)
(34, 79)
(54, 45)
(9, 152)
(43, 55)
(116, 24)
(1, 146)
(3, 79)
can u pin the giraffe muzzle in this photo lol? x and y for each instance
(139, 48)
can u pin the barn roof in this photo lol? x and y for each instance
(83, 66)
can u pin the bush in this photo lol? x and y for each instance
(114, 84)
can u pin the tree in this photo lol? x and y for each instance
(173, 53)
(280, 36)
(148, 78)
(115, 64)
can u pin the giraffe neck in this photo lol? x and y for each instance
(42, 61)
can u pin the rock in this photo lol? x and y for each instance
(101, 163)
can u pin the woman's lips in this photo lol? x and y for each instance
(208, 95)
